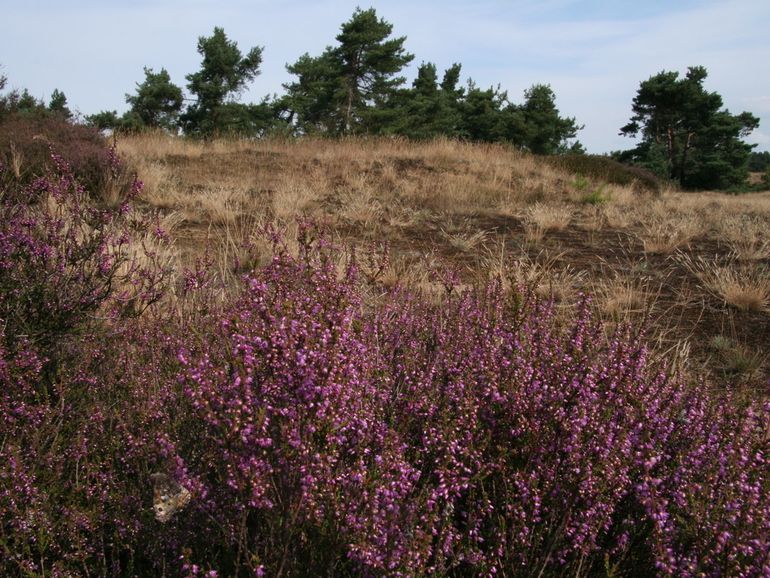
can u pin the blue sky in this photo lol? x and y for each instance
(593, 53)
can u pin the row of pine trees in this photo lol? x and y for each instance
(354, 87)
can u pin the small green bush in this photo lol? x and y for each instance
(595, 197)
(581, 183)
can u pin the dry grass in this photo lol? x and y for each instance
(617, 216)
(743, 286)
(593, 220)
(442, 175)
(466, 242)
(240, 246)
(716, 206)
(620, 297)
(17, 161)
(541, 218)
(403, 272)
(665, 228)
(544, 273)
(737, 359)
(748, 236)
(291, 198)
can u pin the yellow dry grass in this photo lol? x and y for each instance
(440, 175)
(666, 227)
(745, 286)
(619, 296)
(747, 235)
(541, 218)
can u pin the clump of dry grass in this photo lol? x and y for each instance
(617, 216)
(619, 296)
(748, 236)
(359, 203)
(241, 246)
(626, 195)
(665, 230)
(545, 274)
(562, 284)
(593, 219)
(743, 286)
(541, 218)
(465, 242)
(217, 205)
(402, 271)
(291, 197)
(158, 184)
(399, 216)
(737, 360)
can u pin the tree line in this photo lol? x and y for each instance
(352, 88)
(356, 87)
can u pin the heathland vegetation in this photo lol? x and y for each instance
(387, 353)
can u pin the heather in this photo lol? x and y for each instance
(312, 420)
(608, 170)
(26, 141)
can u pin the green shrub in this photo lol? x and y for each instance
(595, 197)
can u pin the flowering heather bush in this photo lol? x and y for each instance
(77, 453)
(312, 432)
(475, 438)
(61, 259)
(25, 144)
(78, 389)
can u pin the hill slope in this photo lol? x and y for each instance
(694, 264)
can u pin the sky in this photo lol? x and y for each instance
(593, 53)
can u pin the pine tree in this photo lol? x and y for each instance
(312, 102)
(343, 90)
(427, 109)
(157, 102)
(536, 125)
(481, 113)
(58, 104)
(224, 73)
(679, 120)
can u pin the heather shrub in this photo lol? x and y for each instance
(472, 438)
(76, 465)
(306, 427)
(608, 170)
(77, 402)
(63, 259)
(26, 142)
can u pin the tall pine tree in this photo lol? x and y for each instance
(685, 134)
(224, 73)
(157, 101)
(343, 90)
(536, 125)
